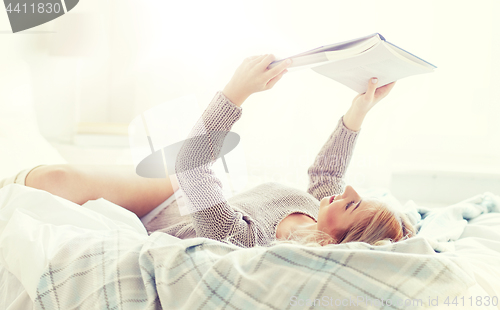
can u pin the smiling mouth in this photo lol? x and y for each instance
(331, 198)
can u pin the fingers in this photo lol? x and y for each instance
(275, 79)
(269, 58)
(279, 68)
(256, 59)
(251, 58)
(372, 87)
(383, 91)
(257, 72)
(389, 86)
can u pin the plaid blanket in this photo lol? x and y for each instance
(116, 270)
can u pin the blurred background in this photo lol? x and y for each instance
(79, 80)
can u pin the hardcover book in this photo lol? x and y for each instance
(354, 62)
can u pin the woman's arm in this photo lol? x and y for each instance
(327, 172)
(212, 216)
(363, 103)
(253, 76)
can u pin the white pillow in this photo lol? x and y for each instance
(21, 144)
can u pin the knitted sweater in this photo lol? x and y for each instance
(251, 218)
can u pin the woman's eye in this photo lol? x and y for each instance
(347, 206)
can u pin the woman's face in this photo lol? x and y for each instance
(338, 213)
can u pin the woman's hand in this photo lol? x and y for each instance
(365, 101)
(362, 103)
(253, 76)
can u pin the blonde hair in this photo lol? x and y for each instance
(380, 225)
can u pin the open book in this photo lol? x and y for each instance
(354, 62)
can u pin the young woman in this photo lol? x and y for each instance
(268, 213)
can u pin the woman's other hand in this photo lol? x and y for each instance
(253, 76)
(362, 103)
(365, 101)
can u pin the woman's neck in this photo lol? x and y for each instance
(295, 222)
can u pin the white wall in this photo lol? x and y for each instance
(148, 52)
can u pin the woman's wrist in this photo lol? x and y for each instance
(235, 97)
(353, 119)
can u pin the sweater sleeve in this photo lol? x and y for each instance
(326, 175)
(212, 216)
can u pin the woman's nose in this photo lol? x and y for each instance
(350, 192)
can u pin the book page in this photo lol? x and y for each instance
(304, 62)
(331, 52)
(378, 61)
(360, 48)
(353, 45)
(408, 55)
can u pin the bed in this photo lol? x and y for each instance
(99, 256)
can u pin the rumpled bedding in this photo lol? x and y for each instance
(447, 224)
(100, 257)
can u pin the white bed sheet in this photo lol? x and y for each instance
(479, 246)
(14, 292)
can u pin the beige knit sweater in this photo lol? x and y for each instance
(250, 218)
